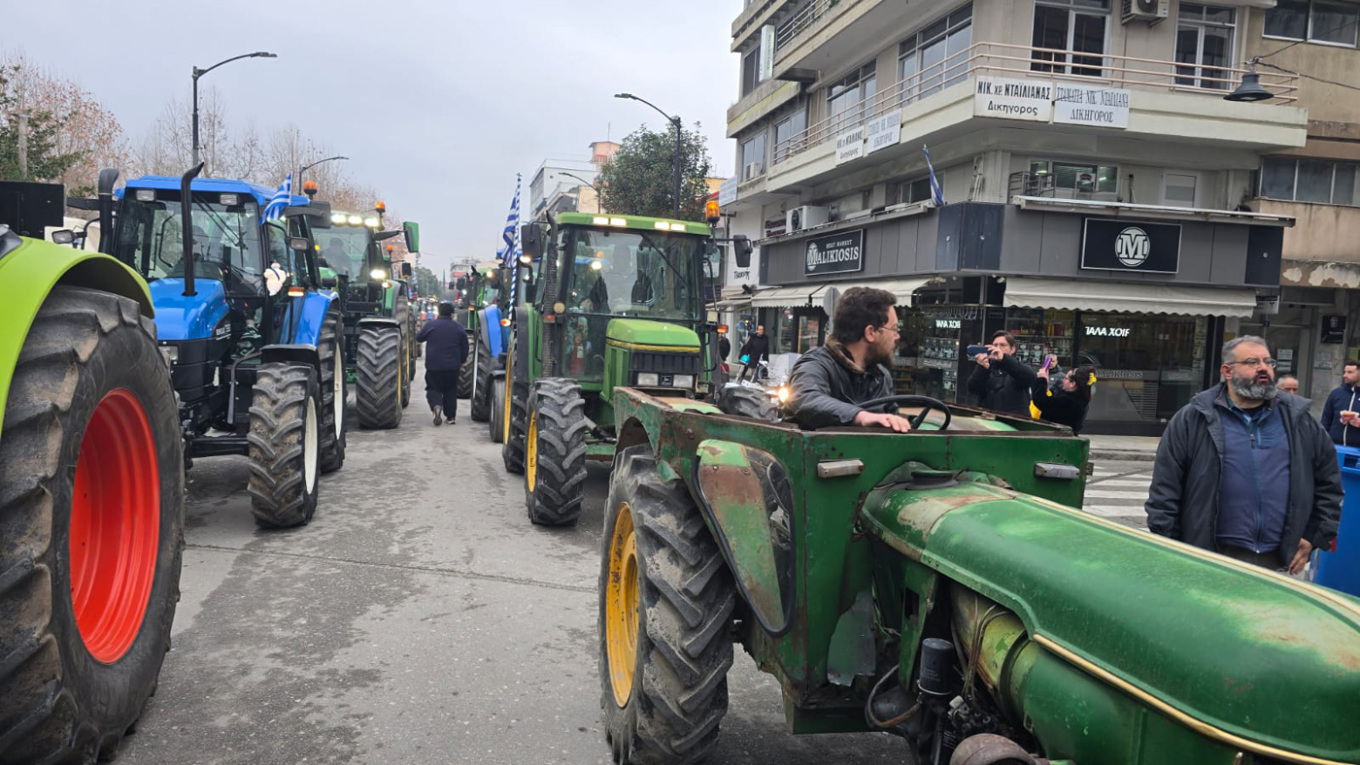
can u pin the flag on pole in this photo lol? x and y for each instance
(279, 201)
(934, 182)
(510, 235)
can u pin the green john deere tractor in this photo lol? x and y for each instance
(91, 488)
(615, 300)
(380, 333)
(942, 586)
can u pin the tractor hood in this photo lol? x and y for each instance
(1232, 649)
(187, 318)
(638, 333)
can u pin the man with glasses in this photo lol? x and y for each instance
(1001, 381)
(828, 383)
(1246, 472)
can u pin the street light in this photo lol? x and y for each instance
(587, 183)
(200, 72)
(677, 123)
(305, 168)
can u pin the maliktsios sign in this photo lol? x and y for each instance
(838, 253)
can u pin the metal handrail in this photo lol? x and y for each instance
(1001, 59)
(801, 21)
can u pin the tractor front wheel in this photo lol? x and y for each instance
(498, 410)
(517, 422)
(555, 453)
(334, 392)
(481, 391)
(285, 445)
(745, 402)
(379, 376)
(666, 600)
(406, 370)
(92, 508)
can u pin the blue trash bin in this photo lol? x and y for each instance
(1340, 570)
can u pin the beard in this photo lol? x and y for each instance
(878, 355)
(1254, 389)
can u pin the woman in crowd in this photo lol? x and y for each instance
(1068, 405)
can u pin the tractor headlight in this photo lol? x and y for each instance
(684, 381)
(648, 379)
(378, 274)
(782, 393)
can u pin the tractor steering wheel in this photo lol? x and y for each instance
(926, 402)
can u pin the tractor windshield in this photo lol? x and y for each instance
(345, 249)
(226, 239)
(626, 272)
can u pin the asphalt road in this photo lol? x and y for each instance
(420, 618)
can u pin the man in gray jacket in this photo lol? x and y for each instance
(1245, 472)
(828, 383)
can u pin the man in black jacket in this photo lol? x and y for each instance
(828, 383)
(446, 348)
(1245, 472)
(1339, 412)
(1002, 382)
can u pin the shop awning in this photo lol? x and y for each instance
(783, 297)
(731, 303)
(904, 289)
(779, 297)
(1128, 298)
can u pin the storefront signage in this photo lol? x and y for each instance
(775, 227)
(882, 132)
(1333, 329)
(948, 324)
(1120, 245)
(850, 145)
(1091, 105)
(1013, 99)
(727, 192)
(838, 253)
(1107, 331)
(767, 46)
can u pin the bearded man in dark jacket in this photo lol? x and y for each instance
(829, 383)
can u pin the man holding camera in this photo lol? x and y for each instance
(1002, 382)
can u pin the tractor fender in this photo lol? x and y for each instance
(30, 271)
(188, 318)
(311, 315)
(489, 327)
(381, 321)
(291, 354)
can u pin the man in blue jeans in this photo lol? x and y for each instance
(446, 348)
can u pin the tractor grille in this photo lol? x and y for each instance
(665, 363)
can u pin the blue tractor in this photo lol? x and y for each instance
(255, 344)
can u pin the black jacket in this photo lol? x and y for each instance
(1058, 405)
(446, 344)
(757, 346)
(1343, 398)
(1004, 386)
(1183, 499)
(826, 385)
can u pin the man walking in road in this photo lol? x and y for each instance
(446, 348)
(1001, 381)
(1246, 472)
(1339, 413)
(756, 348)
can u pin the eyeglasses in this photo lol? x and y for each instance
(1254, 363)
(886, 328)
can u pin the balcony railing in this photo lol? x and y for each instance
(1039, 64)
(1028, 184)
(801, 21)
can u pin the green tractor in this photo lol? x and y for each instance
(380, 334)
(942, 586)
(616, 300)
(91, 489)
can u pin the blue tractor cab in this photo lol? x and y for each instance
(254, 341)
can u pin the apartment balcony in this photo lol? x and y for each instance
(821, 34)
(760, 103)
(1167, 102)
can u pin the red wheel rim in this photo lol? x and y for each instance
(115, 526)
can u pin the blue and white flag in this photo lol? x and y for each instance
(510, 235)
(934, 182)
(280, 200)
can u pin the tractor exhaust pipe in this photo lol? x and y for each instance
(185, 212)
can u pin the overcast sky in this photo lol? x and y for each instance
(484, 90)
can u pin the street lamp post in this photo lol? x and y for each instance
(200, 72)
(677, 123)
(587, 183)
(305, 168)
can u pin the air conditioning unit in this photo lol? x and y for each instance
(806, 216)
(1150, 11)
(751, 171)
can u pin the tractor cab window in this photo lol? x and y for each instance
(345, 250)
(226, 239)
(625, 272)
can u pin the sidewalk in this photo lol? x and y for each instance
(1124, 448)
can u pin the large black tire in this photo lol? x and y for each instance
(467, 377)
(378, 374)
(58, 701)
(334, 392)
(497, 427)
(555, 454)
(406, 369)
(745, 402)
(481, 390)
(285, 445)
(676, 601)
(512, 451)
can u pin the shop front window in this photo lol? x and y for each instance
(1148, 366)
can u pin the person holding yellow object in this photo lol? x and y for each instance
(1068, 405)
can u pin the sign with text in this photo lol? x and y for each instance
(727, 192)
(838, 253)
(1121, 245)
(766, 52)
(884, 131)
(1013, 99)
(1090, 105)
(850, 145)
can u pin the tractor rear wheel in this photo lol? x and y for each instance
(481, 392)
(92, 452)
(285, 445)
(379, 375)
(555, 453)
(334, 392)
(666, 600)
(405, 370)
(498, 410)
(745, 402)
(517, 421)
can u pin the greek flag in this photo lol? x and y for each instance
(274, 209)
(934, 182)
(510, 235)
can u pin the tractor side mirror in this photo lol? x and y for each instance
(298, 244)
(453, 285)
(461, 284)
(531, 240)
(411, 230)
(741, 248)
(405, 269)
(64, 236)
(328, 282)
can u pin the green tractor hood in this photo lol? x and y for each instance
(1219, 645)
(640, 333)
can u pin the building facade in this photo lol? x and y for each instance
(1097, 194)
(568, 185)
